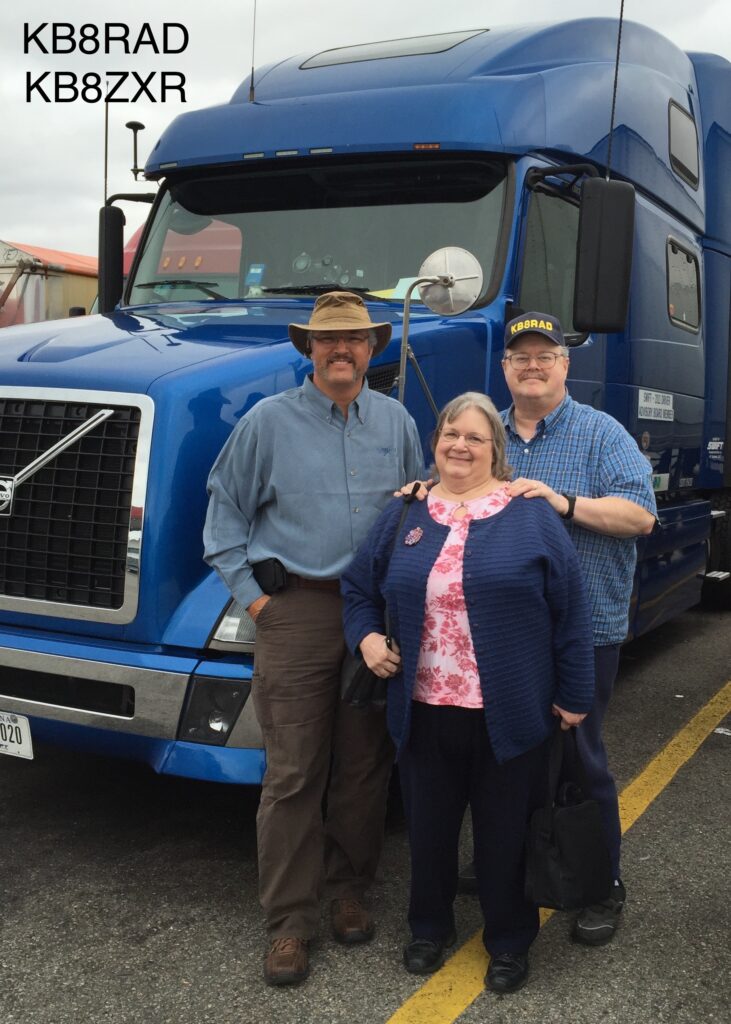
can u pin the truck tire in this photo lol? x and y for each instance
(714, 594)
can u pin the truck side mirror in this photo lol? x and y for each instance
(111, 241)
(604, 255)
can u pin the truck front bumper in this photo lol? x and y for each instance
(123, 702)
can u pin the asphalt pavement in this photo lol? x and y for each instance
(130, 897)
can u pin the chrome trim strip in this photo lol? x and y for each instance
(159, 695)
(62, 445)
(233, 646)
(128, 609)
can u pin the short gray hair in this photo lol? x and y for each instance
(476, 400)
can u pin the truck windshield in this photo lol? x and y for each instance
(300, 230)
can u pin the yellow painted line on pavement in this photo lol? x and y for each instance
(452, 989)
(639, 794)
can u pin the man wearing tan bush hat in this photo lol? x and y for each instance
(293, 493)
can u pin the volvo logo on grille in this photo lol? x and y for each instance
(7, 488)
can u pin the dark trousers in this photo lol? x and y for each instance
(593, 753)
(317, 747)
(446, 765)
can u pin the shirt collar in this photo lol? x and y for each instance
(327, 408)
(548, 422)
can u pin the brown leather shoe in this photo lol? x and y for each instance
(351, 922)
(287, 962)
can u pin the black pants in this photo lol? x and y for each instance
(447, 764)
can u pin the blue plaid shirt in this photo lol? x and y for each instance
(579, 450)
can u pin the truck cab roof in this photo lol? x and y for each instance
(517, 90)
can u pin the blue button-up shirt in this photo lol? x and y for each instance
(298, 482)
(579, 450)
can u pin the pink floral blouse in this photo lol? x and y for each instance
(446, 672)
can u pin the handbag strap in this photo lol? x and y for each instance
(573, 765)
(564, 750)
(555, 761)
(407, 500)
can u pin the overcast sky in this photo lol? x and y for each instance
(52, 177)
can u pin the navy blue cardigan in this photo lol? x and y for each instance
(526, 603)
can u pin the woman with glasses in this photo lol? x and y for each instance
(492, 640)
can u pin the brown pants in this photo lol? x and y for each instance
(310, 736)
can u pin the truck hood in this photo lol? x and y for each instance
(129, 349)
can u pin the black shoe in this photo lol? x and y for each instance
(467, 879)
(507, 972)
(424, 956)
(596, 925)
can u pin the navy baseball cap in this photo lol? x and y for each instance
(534, 323)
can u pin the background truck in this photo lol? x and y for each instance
(44, 284)
(347, 168)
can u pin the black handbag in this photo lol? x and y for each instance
(360, 687)
(567, 860)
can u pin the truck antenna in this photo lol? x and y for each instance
(106, 147)
(135, 127)
(253, 44)
(614, 90)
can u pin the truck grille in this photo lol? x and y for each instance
(383, 378)
(67, 539)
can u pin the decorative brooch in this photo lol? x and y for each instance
(414, 536)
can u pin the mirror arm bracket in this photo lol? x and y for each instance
(445, 279)
(536, 176)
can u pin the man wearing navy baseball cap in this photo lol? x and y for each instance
(591, 471)
(534, 323)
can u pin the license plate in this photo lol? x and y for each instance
(15, 735)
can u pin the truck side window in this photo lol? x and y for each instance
(683, 286)
(683, 144)
(549, 258)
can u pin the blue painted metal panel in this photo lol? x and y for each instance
(101, 741)
(671, 562)
(215, 764)
(717, 327)
(713, 76)
(167, 757)
(510, 90)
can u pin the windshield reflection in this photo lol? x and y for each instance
(270, 233)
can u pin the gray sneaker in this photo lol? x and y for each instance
(596, 925)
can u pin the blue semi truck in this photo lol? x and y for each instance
(347, 168)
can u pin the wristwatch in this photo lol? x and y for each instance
(569, 513)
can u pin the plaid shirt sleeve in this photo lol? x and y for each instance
(624, 472)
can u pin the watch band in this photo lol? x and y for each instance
(569, 513)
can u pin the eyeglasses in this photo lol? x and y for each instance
(471, 440)
(522, 360)
(349, 337)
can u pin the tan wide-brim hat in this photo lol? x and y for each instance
(339, 311)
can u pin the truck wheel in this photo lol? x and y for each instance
(715, 594)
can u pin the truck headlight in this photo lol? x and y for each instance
(235, 630)
(211, 710)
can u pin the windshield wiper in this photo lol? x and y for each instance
(178, 282)
(318, 289)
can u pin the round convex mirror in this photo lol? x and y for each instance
(464, 273)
